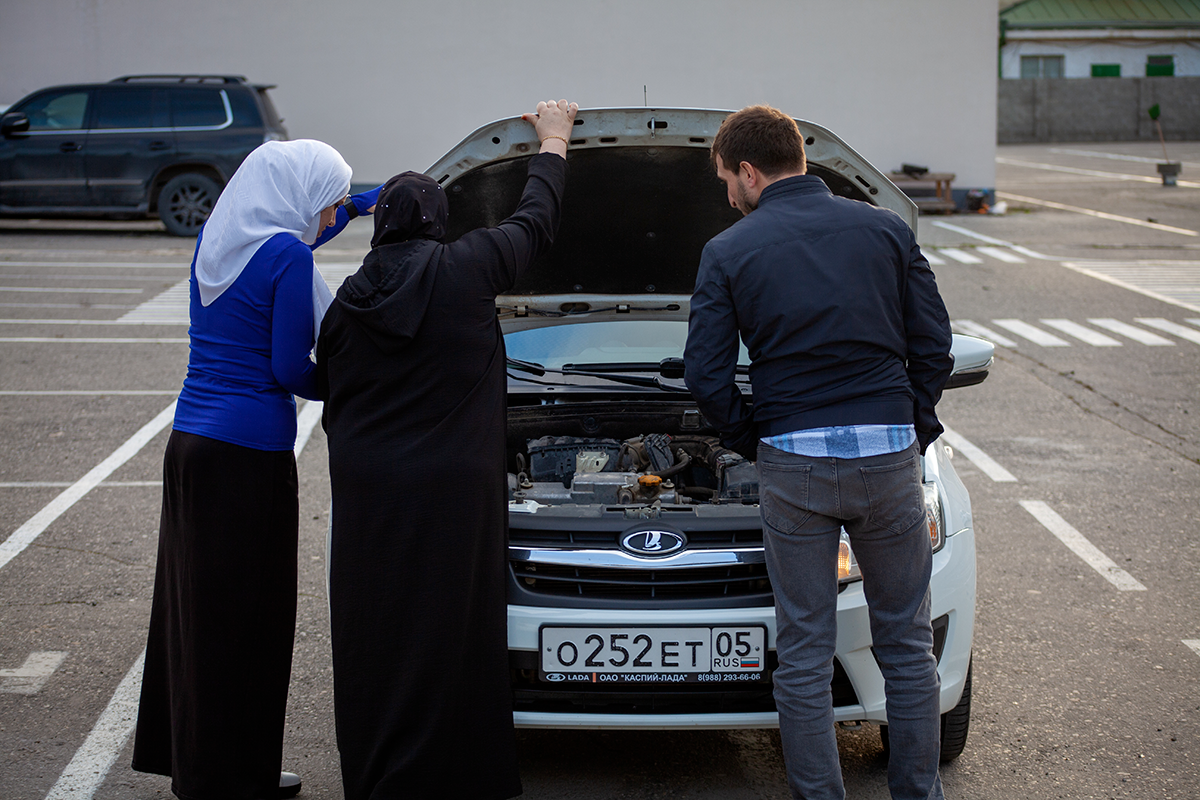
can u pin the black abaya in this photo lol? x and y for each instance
(413, 361)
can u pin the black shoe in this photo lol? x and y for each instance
(289, 785)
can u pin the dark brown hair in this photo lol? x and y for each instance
(763, 136)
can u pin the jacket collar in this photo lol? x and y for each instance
(797, 185)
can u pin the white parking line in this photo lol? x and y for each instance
(1081, 547)
(1117, 176)
(1194, 644)
(1112, 156)
(1173, 328)
(305, 422)
(100, 340)
(1173, 282)
(960, 256)
(1025, 251)
(91, 392)
(1098, 214)
(120, 322)
(1137, 334)
(68, 290)
(23, 536)
(975, 329)
(1083, 334)
(1002, 255)
(977, 457)
(1035, 335)
(92, 761)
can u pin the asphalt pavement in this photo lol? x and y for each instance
(1081, 452)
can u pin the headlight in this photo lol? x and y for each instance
(935, 521)
(934, 517)
(847, 564)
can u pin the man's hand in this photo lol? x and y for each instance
(553, 123)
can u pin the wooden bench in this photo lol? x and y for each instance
(918, 189)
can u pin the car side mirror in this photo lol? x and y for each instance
(972, 359)
(13, 123)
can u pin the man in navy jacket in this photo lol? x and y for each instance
(849, 344)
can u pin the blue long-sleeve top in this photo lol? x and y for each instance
(250, 347)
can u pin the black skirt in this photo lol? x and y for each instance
(219, 655)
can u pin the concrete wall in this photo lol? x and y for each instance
(393, 84)
(1096, 109)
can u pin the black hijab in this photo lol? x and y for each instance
(410, 206)
(388, 296)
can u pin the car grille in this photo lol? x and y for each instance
(738, 580)
(697, 540)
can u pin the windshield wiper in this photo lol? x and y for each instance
(630, 380)
(667, 368)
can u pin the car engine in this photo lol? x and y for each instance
(655, 468)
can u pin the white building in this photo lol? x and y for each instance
(1100, 39)
(393, 84)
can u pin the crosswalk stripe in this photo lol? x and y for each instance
(933, 259)
(1079, 332)
(960, 255)
(975, 329)
(1137, 334)
(1194, 322)
(1002, 255)
(1173, 328)
(1035, 335)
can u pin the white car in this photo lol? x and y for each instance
(638, 594)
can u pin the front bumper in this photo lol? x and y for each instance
(858, 683)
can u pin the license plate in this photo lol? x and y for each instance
(653, 655)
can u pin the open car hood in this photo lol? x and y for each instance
(641, 202)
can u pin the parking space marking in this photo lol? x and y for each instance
(102, 306)
(90, 392)
(961, 256)
(98, 264)
(1035, 335)
(1137, 334)
(25, 535)
(1173, 328)
(305, 422)
(92, 761)
(97, 340)
(1194, 644)
(159, 322)
(1098, 214)
(1001, 255)
(1174, 282)
(1080, 546)
(1113, 156)
(68, 290)
(975, 329)
(1117, 176)
(977, 457)
(31, 676)
(1088, 335)
(61, 484)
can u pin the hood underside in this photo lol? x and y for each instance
(641, 201)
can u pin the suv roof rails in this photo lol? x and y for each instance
(181, 78)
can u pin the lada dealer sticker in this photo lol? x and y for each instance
(652, 655)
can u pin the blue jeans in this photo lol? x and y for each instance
(805, 502)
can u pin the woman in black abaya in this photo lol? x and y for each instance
(413, 361)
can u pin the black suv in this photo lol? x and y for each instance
(137, 145)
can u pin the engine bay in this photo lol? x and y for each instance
(654, 468)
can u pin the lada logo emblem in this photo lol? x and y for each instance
(653, 543)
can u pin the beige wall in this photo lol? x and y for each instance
(394, 83)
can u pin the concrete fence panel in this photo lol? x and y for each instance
(1096, 109)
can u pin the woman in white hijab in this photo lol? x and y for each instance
(219, 655)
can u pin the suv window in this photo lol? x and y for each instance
(199, 108)
(57, 111)
(131, 108)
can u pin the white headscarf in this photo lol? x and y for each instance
(281, 187)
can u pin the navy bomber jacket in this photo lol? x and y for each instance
(838, 309)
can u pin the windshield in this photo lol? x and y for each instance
(625, 341)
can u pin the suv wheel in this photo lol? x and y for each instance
(185, 203)
(955, 724)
